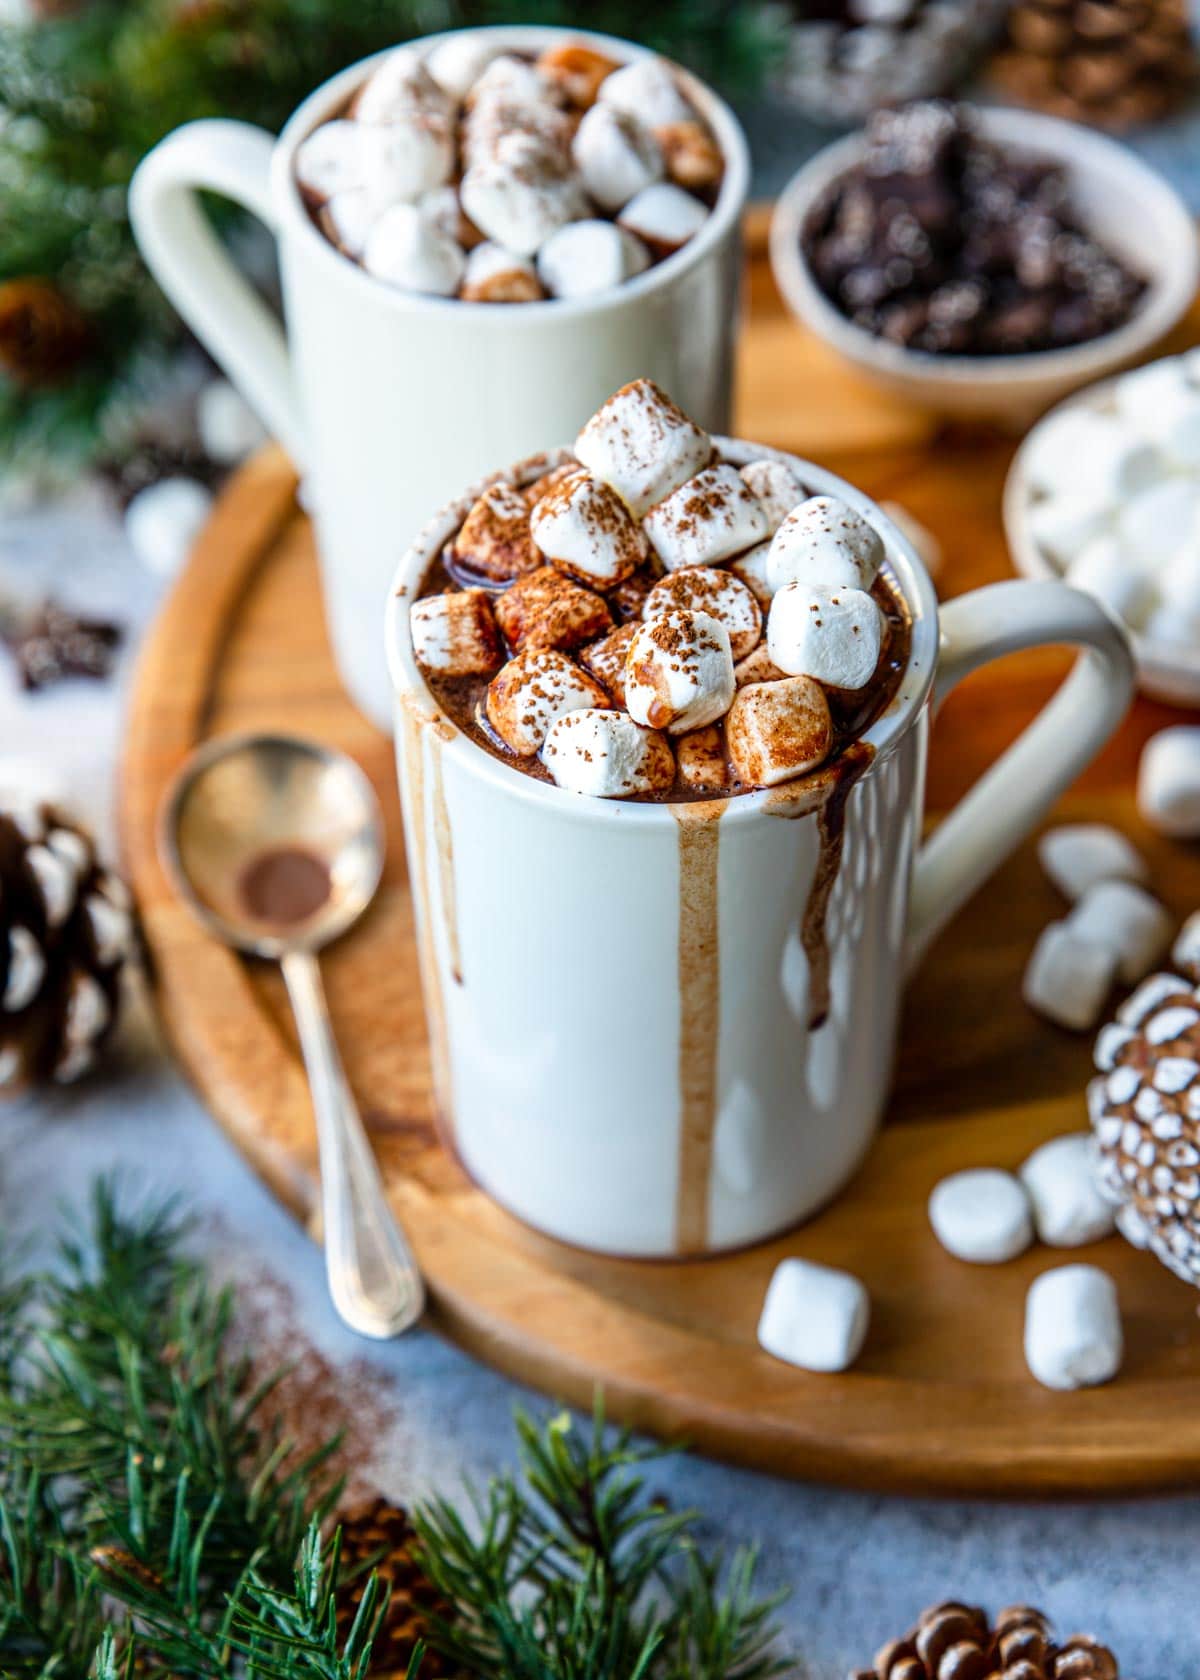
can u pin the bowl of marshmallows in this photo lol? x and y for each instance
(1105, 493)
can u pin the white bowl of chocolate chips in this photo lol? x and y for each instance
(983, 262)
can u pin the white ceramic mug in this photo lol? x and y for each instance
(389, 402)
(620, 994)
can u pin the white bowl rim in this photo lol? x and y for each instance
(1160, 670)
(333, 93)
(884, 735)
(1171, 290)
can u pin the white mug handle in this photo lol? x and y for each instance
(1014, 795)
(193, 268)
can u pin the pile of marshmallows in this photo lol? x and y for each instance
(1117, 490)
(816, 1317)
(641, 702)
(577, 172)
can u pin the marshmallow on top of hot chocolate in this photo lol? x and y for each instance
(582, 170)
(641, 566)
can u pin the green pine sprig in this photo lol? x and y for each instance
(152, 1522)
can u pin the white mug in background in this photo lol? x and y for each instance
(388, 402)
(664, 1030)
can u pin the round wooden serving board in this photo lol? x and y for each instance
(940, 1400)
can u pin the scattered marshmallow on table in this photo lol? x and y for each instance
(643, 445)
(532, 692)
(776, 731)
(834, 635)
(778, 487)
(1128, 921)
(708, 519)
(590, 256)
(1073, 1334)
(616, 156)
(404, 249)
(607, 755)
(814, 1316)
(981, 1215)
(825, 543)
(1069, 1208)
(720, 594)
(584, 527)
(1168, 787)
(1068, 977)
(1077, 856)
(679, 672)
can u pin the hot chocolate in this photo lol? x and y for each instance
(465, 170)
(648, 621)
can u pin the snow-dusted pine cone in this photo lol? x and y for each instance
(66, 931)
(957, 1642)
(1145, 1113)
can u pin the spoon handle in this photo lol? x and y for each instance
(373, 1277)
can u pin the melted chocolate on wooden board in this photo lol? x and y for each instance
(462, 698)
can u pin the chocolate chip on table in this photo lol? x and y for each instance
(943, 242)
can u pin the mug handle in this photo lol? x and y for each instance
(193, 268)
(1014, 795)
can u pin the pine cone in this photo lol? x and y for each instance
(1111, 62)
(43, 335)
(66, 930)
(956, 1642)
(378, 1537)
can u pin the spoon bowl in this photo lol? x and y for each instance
(246, 800)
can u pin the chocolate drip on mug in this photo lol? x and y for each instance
(841, 780)
(699, 1017)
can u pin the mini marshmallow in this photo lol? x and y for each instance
(1149, 397)
(1094, 454)
(576, 70)
(708, 519)
(511, 79)
(1060, 1181)
(533, 134)
(26, 969)
(981, 1215)
(347, 218)
(1077, 856)
(692, 156)
(1177, 581)
(605, 660)
(1125, 919)
(643, 445)
(405, 159)
(228, 427)
(776, 731)
(758, 667)
(544, 609)
(407, 251)
(1073, 1336)
(457, 63)
(163, 521)
(1154, 524)
(679, 672)
(401, 89)
(534, 690)
(494, 275)
(1104, 570)
(455, 634)
(779, 489)
(700, 759)
(516, 198)
(834, 635)
(585, 528)
(495, 540)
(663, 217)
(1068, 977)
(1066, 524)
(646, 89)
(1185, 953)
(719, 594)
(615, 155)
(814, 1316)
(590, 256)
(751, 569)
(331, 160)
(825, 544)
(1171, 628)
(607, 755)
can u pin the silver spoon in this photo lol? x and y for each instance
(277, 846)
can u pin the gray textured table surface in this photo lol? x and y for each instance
(858, 1567)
